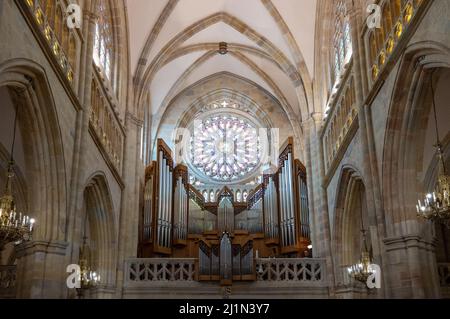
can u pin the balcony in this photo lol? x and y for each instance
(62, 43)
(340, 125)
(297, 271)
(382, 43)
(177, 278)
(106, 126)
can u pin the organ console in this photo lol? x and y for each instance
(176, 221)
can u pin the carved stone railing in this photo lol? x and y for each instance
(396, 18)
(196, 196)
(339, 122)
(8, 281)
(291, 270)
(444, 274)
(255, 196)
(157, 270)
(106, 124)
(62, 41)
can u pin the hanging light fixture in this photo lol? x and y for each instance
(436, 205)
(88, 278)
(14, 227)
(363, 268)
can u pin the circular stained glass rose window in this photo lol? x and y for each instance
(225, 147)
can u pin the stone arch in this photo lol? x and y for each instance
(209, 84)
(203, 24)
(46, 180)
(348, 209)
(277, 91)
(39, 124)
(100, 228)
(232, 47)
(404, 138)
(245, 101)
(408, 237)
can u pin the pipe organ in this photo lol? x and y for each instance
(270, 204)
(163, 216)
(273, 220)
(180, 205)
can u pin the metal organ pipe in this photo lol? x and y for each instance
(290, 219)
(164, 203)
(274, 210)
(169, 211)
(286, 202)
(160, 200)
(283, 205)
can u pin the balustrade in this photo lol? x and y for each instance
(291, 269)
(106, 124)
(396, 17)
(150, 270)
(50, 18)
(340, 118)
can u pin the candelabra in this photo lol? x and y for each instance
(363, 268)
(88, 278)
(14, 227)
(436, 205)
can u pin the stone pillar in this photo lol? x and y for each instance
(367, 145)
(411, 267)
(41, 267)
(76, 214)
(321, 234)
(129, 216)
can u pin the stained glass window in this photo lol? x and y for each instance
(342, 41)
(238, 196)
(225, 147)
(103, 41)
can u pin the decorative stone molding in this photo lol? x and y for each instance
(47, 247)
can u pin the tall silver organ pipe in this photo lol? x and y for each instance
(180, 208)
(163, 240)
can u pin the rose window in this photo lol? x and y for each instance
(225, 147)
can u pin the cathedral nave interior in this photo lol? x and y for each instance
(275, 149)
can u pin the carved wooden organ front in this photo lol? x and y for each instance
(280, 228)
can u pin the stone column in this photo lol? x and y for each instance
(411, 267)
(76, 210)
(41, 269)
(129, 216)
(319, 216)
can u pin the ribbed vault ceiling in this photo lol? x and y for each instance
(174, 44)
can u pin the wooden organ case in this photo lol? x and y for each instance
(281, 202)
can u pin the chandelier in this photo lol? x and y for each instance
(362, 270)
(14, 227)
(436, 205)
(88, 278)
